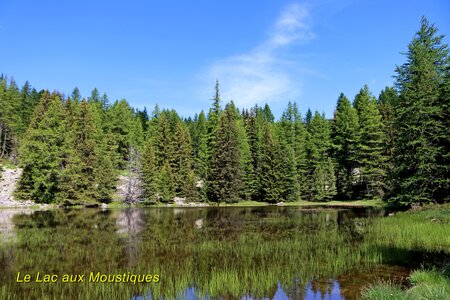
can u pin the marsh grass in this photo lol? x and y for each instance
(236, 252)
(426, 284)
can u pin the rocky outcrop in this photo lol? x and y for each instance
(8, 183)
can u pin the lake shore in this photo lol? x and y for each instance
(330, 204)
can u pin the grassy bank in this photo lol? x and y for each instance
(425, 284)
(302, 203)
(423, 236)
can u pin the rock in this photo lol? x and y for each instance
(199, 223)
(8, 185)
(280, 204)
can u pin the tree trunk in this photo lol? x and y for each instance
(4, 144)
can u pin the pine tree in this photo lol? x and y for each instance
(40, 153)
(420, 173)
(346, 137)
(300, 150)
(289, 183)
(225, 178)
(166, 183)
(270, 166)
(321, 175)
(76, 96)
(253, 122)
(386, 102)
(123, 133)
(149, 175)
(371, 146)
(201, 151)
(291, 137)
(245, 162)
(213, 116)
(181, 163)
(87, 176)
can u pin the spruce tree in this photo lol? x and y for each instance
(271, 189)
(420, 174)
(321, 177)
(40, 153)
(245, 162)
(371, 160)
(253, 122)
(181, 162)
(149, 173)
(87, 176)
(225, 178)
(386, 102)
(346, 137)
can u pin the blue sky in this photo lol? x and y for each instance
(171, 52)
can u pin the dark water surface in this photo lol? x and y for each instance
(198, 253)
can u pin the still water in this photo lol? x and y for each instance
(198, 253)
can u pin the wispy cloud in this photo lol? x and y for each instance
(262, 74)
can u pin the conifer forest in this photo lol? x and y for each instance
(393, 146)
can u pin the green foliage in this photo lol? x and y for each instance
(16, 108)
(149, 174)
(270, 176)
(398, 146)
(87, 175)
(321, 178)
(426, 284)
(225, 178)
(421, 169)
(386, 102)
(384, 291)
(41, 155)
(370, 156)
(346, 137)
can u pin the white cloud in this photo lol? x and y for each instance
(261, 74)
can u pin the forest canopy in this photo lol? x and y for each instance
(395, 146)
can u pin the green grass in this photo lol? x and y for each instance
(426, 284)
(343, 203)
(428, 229)
(243, 204)
(384, 291)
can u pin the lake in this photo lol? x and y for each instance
(211, 252)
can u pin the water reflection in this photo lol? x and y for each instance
(226, 253)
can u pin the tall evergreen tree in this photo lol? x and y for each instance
(371, 161)
(270, 166)
(245, 161)
(149, 173)
(386, 102)
(181, 163)
(225, 178)
(253, 122)
(87, 176)
(321, 178)
(40, 153)
(346, 137)
(420, 173)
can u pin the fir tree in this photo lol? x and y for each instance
(149, 174)
(321, 175)
(370, 151)
(225, 181)
(420, 173)
(346, 137)
(270, 169)
(40, 153)
(386, 102)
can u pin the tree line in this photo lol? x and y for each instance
(395, 146)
